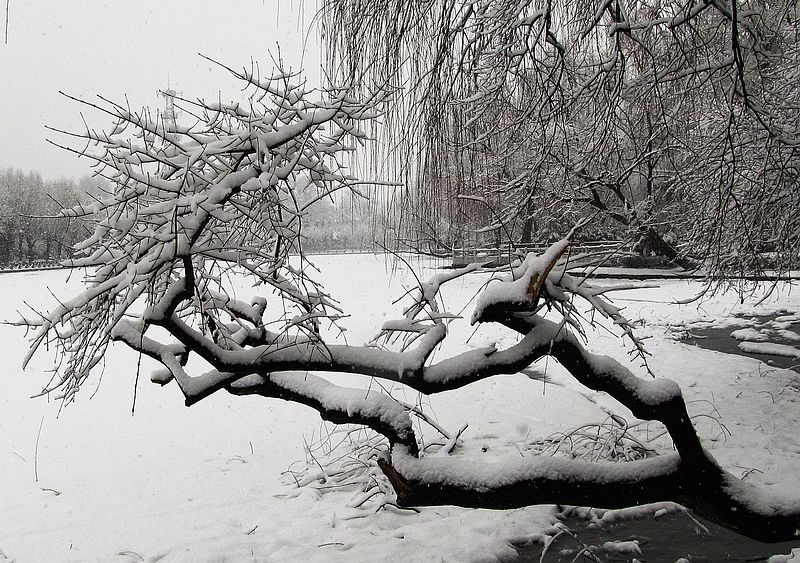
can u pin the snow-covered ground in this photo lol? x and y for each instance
(208, 483)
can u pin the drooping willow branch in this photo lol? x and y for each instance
(675, 119)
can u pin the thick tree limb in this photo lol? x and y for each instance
(336, 404)
(713, 494)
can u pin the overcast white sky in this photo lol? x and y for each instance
(117, 48)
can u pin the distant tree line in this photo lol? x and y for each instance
(346, 224)
(30, 228)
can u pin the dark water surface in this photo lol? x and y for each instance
(669, 538)
(720, 340)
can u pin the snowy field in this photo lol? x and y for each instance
(95, 482)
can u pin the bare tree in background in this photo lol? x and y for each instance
(193, 211)
(31, 231)
(669, 117)
(5, 37)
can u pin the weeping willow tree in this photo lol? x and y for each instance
(662, 117)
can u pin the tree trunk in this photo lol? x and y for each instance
(31, 244)
(708, 491)
(650, 242)
(527, 230)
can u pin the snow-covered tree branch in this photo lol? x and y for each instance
(192, 209)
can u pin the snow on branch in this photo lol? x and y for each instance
(335, 403)
(228, 193)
